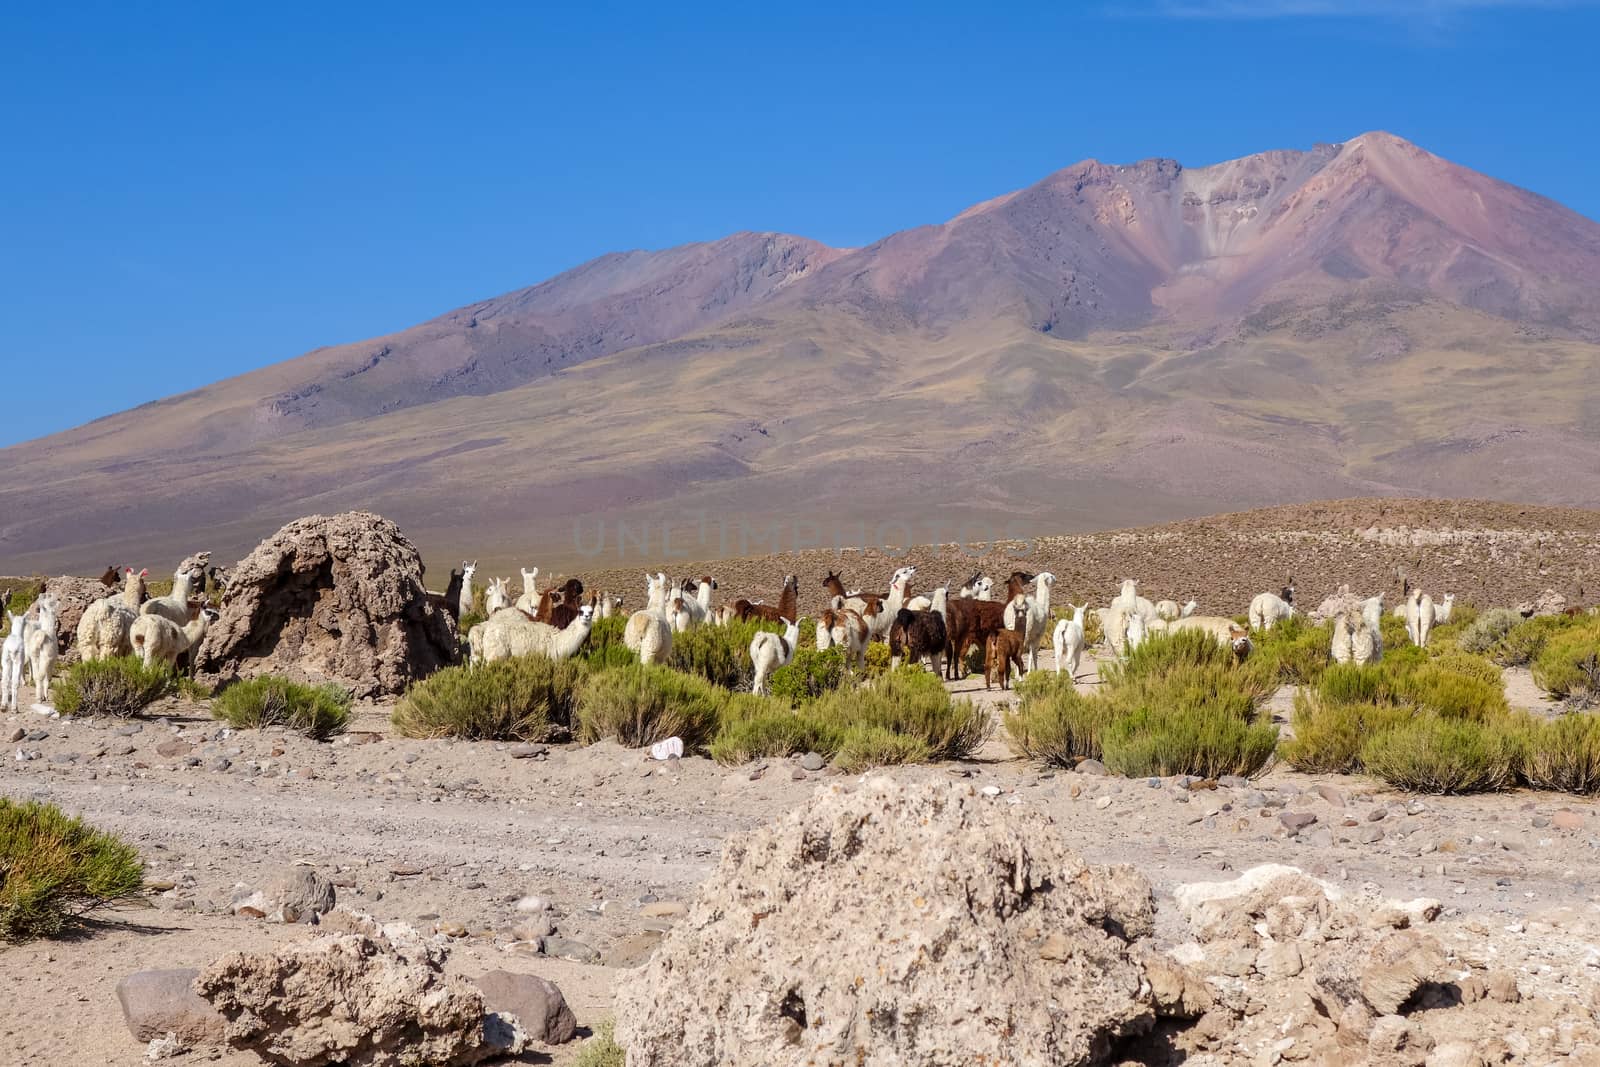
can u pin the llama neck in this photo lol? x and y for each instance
(786, 601)
(573, 637)
(196, 630)
(133, 595)
(703, 595)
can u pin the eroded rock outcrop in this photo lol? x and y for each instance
(331, 598)
(363, 994)
(894, 922)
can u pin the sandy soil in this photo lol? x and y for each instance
(444, 832)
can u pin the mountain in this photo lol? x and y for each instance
(1113, 345)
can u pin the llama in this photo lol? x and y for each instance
(1424, 618)
(1229, 634)
(497, 596)
(1367, 640)
(157, 639)
(1068, 641)
(788, 605)
(1269, 609)
(109, 578)
(174, 607)
(609, 605)
(769, 651)
(969, 622)
(42, 647)
(978, 587)
(1136, 633)
(1444, 609)
(104, 628)
(530, 589)
(648, 632)
(11, 659)
(1032, 617)
(1171, 611)
(467, 601)
(1000, 653)
(846, 630)
(697, 604)
(917, 636)
(450, 600)
(1129, 601)
(515, 633)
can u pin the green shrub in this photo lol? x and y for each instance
(1569, 662)
(911, 702)
(719, 654)
(809, 675)
(1204, 741)
(1053, 723)
(1564, 754)
(1435, 687)
(1299, 650)
(318, 711)
(878, 659)
(1433, 754)
(1484, 632)
(645, 703)
(865, 747)
(605, 648)
(1523, 642)
(121, 687)
(1346, 683)
(601, 1050)
(756, 727)
(1328, 736)
(54, 868)
(517, 699)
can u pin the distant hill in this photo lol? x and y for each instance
(1114, 345)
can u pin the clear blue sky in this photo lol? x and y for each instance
(189, 192)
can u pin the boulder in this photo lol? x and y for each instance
(161, 1002)
(363, 995)
(331, 598)
(1384, 974)
(898, 922)
(296, 894)
(535, 1003)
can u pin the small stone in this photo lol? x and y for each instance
(18, 734)
(1295, 821)
(1502, 986)
(406, 870)
(221, 763)
(1091, 766)
(450, 929)
(174, 747)
(798, 774)
(991, 790)
(1103, 803)
(128, 729)
(527, 752)
(1567, 820)
(1330, 794)
(1377, 814)
(666, 909)
(533, 904)
(1370, 835)
(812, 761)
(535, 929)
(568, 949)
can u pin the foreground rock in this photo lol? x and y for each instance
(157, 1003)
(366, 995)
(900, 923)
(331, 598)
(535, 1003)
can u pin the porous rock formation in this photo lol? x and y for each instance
(331, 598)
(368, 995)
(894, 922)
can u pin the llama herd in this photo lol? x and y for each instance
(130, 622)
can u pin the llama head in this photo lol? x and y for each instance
(1287, 592)
(1189, 609)
(529, 578)
(1044, 580)
(586, 614)
(1130, 588)
(468, 570)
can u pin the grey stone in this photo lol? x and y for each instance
(1295, 821)
(525, 752)
(298, 894)
(155, 1003)
(536, 1003)
(812, 761)
(129, 729)
(38, 735)
(1370, 835)
(18, 734)
(1091, 766)
(568, 949)
(221, 763)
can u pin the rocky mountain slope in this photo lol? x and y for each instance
(1113, 345)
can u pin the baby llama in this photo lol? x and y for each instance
(43, 648)
(769, 651)
(157, 639)
(1068, 641)
(11, 655)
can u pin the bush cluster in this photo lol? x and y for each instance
(120, 687)
(518, 699)
(54, 869)
(318, 711)
(1179, 704)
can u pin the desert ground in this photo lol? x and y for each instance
(453, 837)
(450, 835)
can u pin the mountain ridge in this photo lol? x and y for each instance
(1152, 340)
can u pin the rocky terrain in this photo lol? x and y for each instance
(571, 863)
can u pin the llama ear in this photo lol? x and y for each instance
(145, 573)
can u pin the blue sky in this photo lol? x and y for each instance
(190, 192)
